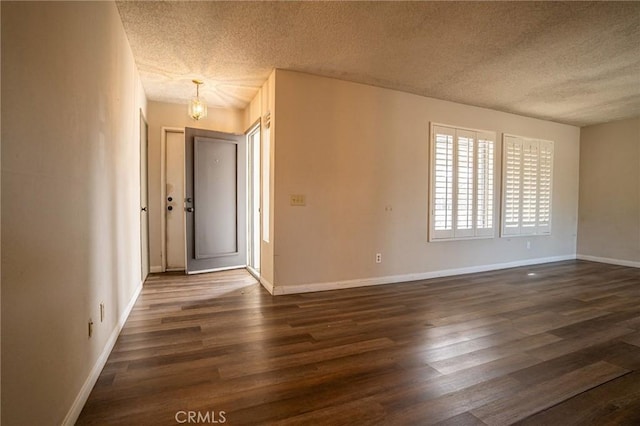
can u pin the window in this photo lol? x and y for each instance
(527, 173)
(462, 182)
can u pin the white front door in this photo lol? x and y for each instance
(174, 202)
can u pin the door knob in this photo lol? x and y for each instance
(188, 200)
(144, 209)
(170, 208)
(189, 209)
(170, 199)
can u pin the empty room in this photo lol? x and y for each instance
(312, 212)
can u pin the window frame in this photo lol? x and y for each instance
(461, 234)
(541, 228)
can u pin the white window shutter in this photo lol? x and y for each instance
(442, 187)
(511, 185)
(529, 194)
(484, 184)
(526, 186)
(464, 183)
(545, 186)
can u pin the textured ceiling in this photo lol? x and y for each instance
(570, 62)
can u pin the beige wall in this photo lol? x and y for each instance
(161, 115)
(71, 100)
(609, 224)
(354, 149)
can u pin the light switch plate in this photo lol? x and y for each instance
(298, 200)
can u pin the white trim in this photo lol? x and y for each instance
(155, 269)
(144, 260)
(253, 272)
(256, 127)
(621, 262)
(469, 129)
(81, 399)
(163, 192)
(391, 279)
(206, 271)
(267, 285)
(529, 138)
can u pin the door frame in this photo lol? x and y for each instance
(256, 126)
(144, 257)
(239, 139)
(163, 192)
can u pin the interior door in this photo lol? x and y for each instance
(174, 202)
(144, 198)
(216, 219)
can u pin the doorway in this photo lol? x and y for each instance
(253, 188)
(215, 200)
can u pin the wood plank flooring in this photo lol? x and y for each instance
(541, 345)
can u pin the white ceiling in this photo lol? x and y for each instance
(571, 62)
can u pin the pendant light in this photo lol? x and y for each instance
(197, 105)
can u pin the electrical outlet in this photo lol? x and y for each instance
(102, 312)
(297, 200)
(90, 327)
(378, 257)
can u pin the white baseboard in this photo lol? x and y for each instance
(226, 268)
(155, 269)
(336, 285)
(620, 262)
(266, 284)
(75, 410)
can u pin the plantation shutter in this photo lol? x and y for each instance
(527, 186)
(529, 194)
(484, 179)
(442, 199)
(511, 186)
(462, 187)
(464, 183)
(544, 187)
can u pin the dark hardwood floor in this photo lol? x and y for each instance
(554, 344)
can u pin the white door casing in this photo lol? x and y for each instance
(144, 198)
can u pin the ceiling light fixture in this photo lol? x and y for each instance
(197, 105)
